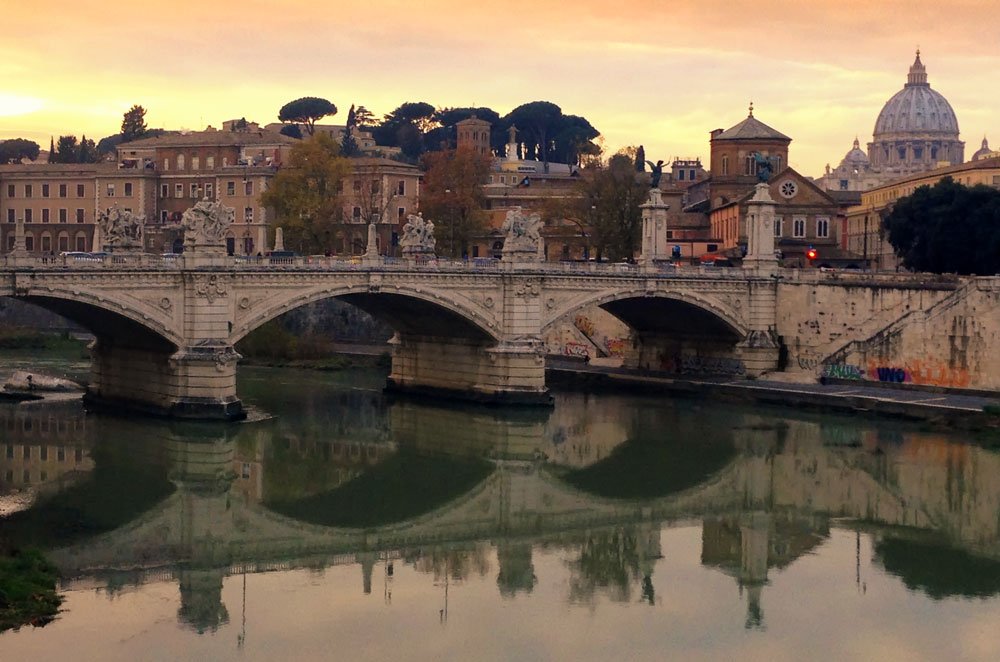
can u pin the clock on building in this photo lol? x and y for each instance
(788, 189)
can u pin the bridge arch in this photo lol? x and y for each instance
(646, 311)
(407, 309)
(110, 320)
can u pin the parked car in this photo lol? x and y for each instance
(281, 254)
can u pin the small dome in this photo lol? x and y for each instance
(916, 109)
(856, 158)
(983, 152)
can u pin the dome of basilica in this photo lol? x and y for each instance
(856, 158)
(916, 109)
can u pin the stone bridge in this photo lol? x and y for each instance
(166, 328)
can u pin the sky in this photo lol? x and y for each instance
(658, 73)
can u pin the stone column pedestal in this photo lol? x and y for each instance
(759, 352)
(197, 382)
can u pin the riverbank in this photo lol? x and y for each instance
(27, 590)
(965, 411)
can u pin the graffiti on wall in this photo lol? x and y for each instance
(686, 364)
(843, 371)
(585, 324)
(576, 349)
(615, 346)
(930, 373)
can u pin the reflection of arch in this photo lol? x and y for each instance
(636, 300)
(404, 309)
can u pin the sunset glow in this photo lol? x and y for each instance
(661, 74)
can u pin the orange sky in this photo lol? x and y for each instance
(659, 73)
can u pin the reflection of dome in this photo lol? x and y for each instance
(983, 152)
(917, 108)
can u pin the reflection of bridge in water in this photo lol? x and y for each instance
(769, 498)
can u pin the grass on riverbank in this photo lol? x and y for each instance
(62, 346)
(327, 364)
(27, 590)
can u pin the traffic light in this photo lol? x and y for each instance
(812, 254)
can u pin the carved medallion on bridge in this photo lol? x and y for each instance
(211, 287)
(529, 287)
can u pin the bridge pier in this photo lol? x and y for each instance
(504, 373)
(196, 382)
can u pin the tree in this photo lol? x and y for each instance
(134, 124)
(364, 117)
(405, 128)
(452, 197)
(947, 228)
(52, 150)
(305, 194)
(15, 150)
(67, 150)
(306, 111)
(448, 118)
(640, 159)
(292, 131)
(608, 202)
(87, 151)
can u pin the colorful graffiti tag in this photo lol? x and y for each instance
(843, 371)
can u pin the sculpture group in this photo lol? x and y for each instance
(206, 223)
(418, 236)
(121, 229)
(522, 233)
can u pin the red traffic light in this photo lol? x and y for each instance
(812, 253)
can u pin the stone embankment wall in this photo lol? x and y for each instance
(936, 331)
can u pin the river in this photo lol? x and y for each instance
(338, 523)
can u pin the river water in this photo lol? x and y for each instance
(341, 524)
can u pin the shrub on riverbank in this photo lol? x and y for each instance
(27, 590)
(275, 346)
(62, 344)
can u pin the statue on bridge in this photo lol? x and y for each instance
(206, 224)
(121, 229)
(418, 236)
(522, 232)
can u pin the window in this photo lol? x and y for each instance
(10, 215)
(128, 189)
(902, 153)
(111, 190)
(230, 188)
(195, 162)
(178, 190)
(28, 189)
(210, 191)
(725, 165)
(248, 187)
(401, 187)
(210, 162)
(27, 215)
(45, 190)
(63, 243)
(81, 242)
(62, 190)
(164, 190)
(401, 214)
(749, 166)
(10, 191)
(711, 248)
(46, 248)
(248, 214)
(691, 175)
(918, 153)
(777, 226)
(799, 227)
(62, 215)
(79, 191)
(357, 186)
(843, 184)
(166, 164)
(376, 186)
(356, 213)
(79, 215)
(194, 190)
(180, 161)
(45, 216)
(680, 175)
(822, 227)
(163, 216)
(29, 241)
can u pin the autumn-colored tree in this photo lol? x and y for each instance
(608, 203)
(452, 197)
(306, 194)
